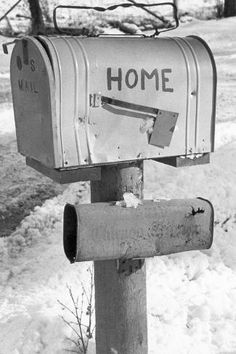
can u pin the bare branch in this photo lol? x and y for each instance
(68, 324)
(83, 332)
(67, 308)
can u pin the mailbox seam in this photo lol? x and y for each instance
(56, 135)
(179, 44)
(60, 95)
(214, 92)
(86, 62)
(78, 147)
(197, 89)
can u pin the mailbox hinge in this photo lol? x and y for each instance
(95, 100)
(5, 45)
(129, 266)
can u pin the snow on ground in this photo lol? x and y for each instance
(7, 124)
(191, 296)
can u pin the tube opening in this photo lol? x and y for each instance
(70, 232)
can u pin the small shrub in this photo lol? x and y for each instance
(81, 322)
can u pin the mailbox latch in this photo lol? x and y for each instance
(164, 121)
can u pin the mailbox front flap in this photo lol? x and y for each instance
(33, 92)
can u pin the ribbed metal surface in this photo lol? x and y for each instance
(169, 74)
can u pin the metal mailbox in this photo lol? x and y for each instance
(104, 231)
(82, 101)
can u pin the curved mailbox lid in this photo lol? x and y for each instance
(201, 93)
(70, 71)
(33, 92)
(214, 86)
(112, 69)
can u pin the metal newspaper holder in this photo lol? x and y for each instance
(96, 108)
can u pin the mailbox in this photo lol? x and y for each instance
(82, 102)
(104, 231)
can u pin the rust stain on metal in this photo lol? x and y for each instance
(197, 211)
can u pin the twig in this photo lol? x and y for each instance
(73, 341)
(11, 8)
(67, 308)
(159, 17)
(68, 324)
(78, 319)
(225, 221)
(83, 332)
(71, 351)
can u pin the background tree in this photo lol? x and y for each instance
(176, 3)
(37, 23)
(230, 8)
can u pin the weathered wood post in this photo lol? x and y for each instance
(120, 289)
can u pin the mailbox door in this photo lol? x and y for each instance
(147, 72)
(32, 82)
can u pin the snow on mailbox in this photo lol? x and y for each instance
(82, 102)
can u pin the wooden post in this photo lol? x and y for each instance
(120, 298)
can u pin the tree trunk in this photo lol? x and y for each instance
(37, 24)
(46, 12)
(230, 8)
